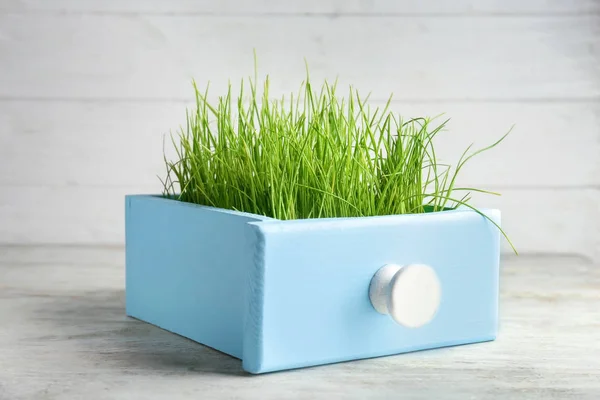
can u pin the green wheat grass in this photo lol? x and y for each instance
(313, 155)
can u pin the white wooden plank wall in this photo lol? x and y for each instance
(88, 88)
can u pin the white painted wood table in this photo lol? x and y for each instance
(64, 335)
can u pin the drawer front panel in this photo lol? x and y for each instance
(309, 289)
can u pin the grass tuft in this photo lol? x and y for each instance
(317, 155)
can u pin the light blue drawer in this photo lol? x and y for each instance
(288, 294)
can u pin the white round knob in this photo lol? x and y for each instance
(411, 294)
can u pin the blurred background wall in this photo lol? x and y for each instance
(88, 89)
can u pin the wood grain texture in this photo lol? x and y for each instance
(424, 59)
(105, 143)
(562, 221)
(88, 88)
(65, 335)
(336, 7)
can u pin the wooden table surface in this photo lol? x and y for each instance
(64, 335)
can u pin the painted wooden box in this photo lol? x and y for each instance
(288, 294)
